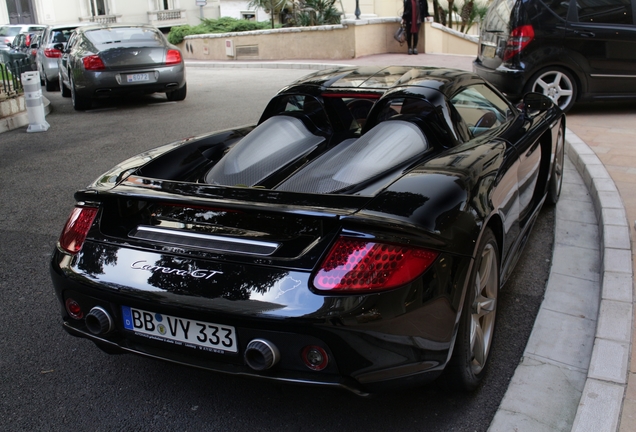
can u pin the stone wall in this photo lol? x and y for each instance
(351, 39)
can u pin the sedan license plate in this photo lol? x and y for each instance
(180, 331)
(488, 51)
(139, 77)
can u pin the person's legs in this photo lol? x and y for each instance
(415, 40)
(410, 40)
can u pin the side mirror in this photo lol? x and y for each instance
(34, 45)
(537, 102)
(59, 47)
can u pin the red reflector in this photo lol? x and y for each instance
(93, 62)
(76, 229)
(74, 309)
(173, 57)
(519, 38)
(52, 53)
(355, 265)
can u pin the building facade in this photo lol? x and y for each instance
(161, 13)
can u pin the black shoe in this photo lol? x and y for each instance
(410, 51)
(415, 51)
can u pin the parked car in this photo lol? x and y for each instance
(570, 51)
(20, 55)
(47, 55)
(9, 32)
(106, 59)
(357, 236)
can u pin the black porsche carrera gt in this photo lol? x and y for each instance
(357, 236)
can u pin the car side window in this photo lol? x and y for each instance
(559, 7)
(480, 108)
(605, 11)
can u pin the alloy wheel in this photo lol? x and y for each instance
(484, 309)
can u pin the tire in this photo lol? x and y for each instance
(50, 86)
(556, 83)
(63, 89)
(41, 76)
(556, 179)
(471, 353)
(178, 95)
(80, 103)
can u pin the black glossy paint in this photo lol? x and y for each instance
(440, 200)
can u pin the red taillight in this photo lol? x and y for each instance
(76, 228)
(28, 40)
(519, 38)
(173, 57)
(355, 265)
(93, 62)
(52, 53)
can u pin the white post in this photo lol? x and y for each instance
(33, 98)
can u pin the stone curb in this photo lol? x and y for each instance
(21, 119)
(601, 402)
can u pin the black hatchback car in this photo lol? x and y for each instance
(581, 50)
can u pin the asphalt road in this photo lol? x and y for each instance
(52, 381)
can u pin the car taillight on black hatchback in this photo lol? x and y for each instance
(76, 228)
(358, 265)
(519, 38)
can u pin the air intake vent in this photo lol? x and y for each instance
(247, 51)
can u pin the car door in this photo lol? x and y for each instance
(490, 118)
(602, 37)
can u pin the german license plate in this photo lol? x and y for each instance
(180, 331)
(140, 77)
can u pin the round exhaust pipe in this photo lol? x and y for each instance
(98, 321)
(261, 354)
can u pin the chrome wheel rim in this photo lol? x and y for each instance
(557, 86)
(484, 309)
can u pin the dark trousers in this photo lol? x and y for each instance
(412, 38)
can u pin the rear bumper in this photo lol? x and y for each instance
(162, 79)
(371, 346)
(508, 81)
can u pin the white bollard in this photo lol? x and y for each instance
(33, 98)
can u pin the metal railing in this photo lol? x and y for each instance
(165, 15)
(10, 83)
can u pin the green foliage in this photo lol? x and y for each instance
(315, 12)
(221, 25)
(268, 5)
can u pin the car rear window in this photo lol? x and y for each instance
(9, 31)
(124, 35)
(60, 36)
(498, 16)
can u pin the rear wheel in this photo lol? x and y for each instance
(50, 86)
(178, 95)
(556, 179)
(80, 103)
(556, 83)
(63, 89)
(469, 361)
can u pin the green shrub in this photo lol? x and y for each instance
(221, 25)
